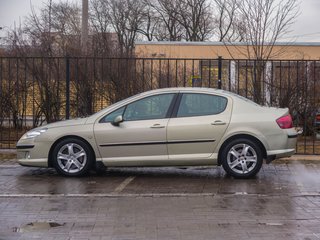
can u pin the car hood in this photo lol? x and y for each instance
(72, 122)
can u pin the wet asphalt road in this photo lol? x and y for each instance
(282, 202)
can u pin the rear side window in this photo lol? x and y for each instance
(194, 104)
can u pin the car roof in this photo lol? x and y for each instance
(187, 89)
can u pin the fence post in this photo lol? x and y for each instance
(67, 87)
(219, 71)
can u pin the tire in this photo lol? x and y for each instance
(242, 158)
(72, 157)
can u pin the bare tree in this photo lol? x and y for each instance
(264, 22)
(151, 23)
(227, 23)
(102, 42)
(126, 18)
(166, 14)
(196, 19)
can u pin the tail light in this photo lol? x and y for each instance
(318, 117)
(285, 122)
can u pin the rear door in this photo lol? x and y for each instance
(199, 121)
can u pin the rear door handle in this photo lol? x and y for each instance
(157, 125)
(218, 122)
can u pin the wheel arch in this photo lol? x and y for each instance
(247, 136)
(50, 159)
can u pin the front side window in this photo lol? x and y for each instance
(200, 104)
(154, 107)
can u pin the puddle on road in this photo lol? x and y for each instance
(37, 226)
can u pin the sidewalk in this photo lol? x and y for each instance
(8, 157)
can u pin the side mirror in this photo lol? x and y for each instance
(117, 120)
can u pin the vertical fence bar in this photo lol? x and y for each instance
(297, 100)
(159, 80)
(110, 84)
(229, 75)
(314, 104)
(16, 112)
(67, 87)
(209, 73)
(272, 87)
(201, 73)
(184, 73)
(305, 97)
(9, 88)
(151, 73)
(176, 73)
(219, 71)
(94, 96)
(77, 84)
(57, 63)
(101, 84)
(1, 102)
(143, 79)
(238, 78)
(280, 89)
(246, 78)
(33, 94)
(24, 104)
(192, 71)
(168, 74)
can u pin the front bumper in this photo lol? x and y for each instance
(41, 162)
(33, 154)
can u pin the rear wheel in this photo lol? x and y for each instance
(72, 157)
(242, 158)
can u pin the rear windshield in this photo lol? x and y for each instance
(243, 98)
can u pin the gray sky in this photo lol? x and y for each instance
(305, 29)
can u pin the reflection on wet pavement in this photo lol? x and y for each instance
(37, 226)
(292, 179)
(282, 202)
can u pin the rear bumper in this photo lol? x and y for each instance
(275, 154)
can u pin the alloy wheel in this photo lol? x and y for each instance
(242, 158)
(71, 158)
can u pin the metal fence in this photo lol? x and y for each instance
(39, 90)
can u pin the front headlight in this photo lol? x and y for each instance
(34, 133)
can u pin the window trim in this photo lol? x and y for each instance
(101, 119)
(177, 105)
(168, 114)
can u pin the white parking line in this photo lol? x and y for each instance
(74, 195)
(9, 165)
(134, 195)
(122, 185)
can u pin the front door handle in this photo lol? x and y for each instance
(218, 122)
(157, 125)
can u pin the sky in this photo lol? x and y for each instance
(305, 29)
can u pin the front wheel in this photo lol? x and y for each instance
(72, 157)
(242, 158)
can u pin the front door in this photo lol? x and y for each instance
(141, 138)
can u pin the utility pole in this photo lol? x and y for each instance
(84, 30)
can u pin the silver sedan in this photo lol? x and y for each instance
(165, 127)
